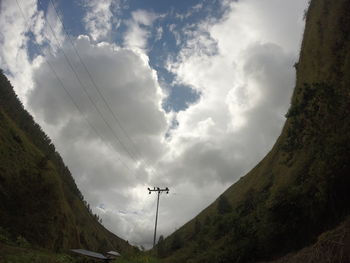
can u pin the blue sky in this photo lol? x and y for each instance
(179, 13)
(188, 95)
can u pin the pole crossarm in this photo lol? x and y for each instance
(159, 191)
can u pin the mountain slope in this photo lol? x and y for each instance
(39, 200)
(331, 246)
(302, 187)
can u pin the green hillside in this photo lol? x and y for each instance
(40, 204)
(302, 187)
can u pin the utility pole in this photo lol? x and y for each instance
(159, 191)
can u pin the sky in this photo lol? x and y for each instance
(188, 95)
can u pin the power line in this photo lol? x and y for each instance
(68, 93)
(76, 105)
(96, 87)
(87, 93)
(114, 115)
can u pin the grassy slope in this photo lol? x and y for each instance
(25, 254)
(331, 247)
(38, 196)
(17, 254)
(302, 186)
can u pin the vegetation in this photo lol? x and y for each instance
(301, 188)
(138, 258)
(224, 206)
(330, 247)
(18, 250)
(17, 255)
(40, 203)
(297, 192)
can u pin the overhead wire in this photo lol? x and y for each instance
(113, 114)
(87, 93)
(70, 96)
(115, 117)
(107, 142)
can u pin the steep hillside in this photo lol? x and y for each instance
(39, 200)
(331, 246)
(302, 187)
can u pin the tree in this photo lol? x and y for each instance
(207, 221)
(160, 247)
(224, 206)
(176, 242)
(197, 227)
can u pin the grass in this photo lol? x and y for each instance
(138, 259)
(16, 254)
(49, 257)
(21, 251)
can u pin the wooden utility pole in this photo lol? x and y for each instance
(159, 191)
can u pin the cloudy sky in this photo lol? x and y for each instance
(186, 94)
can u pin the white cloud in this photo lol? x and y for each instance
(138, 29)
(13, 42)
(98, 18)
(244, 73)
(16, 21)
(143, 17)
(245, 82)
(242, 65)
(131, 89)
(159, 33)
(127, 83)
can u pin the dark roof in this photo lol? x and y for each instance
(89, 253)
(113, 253)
